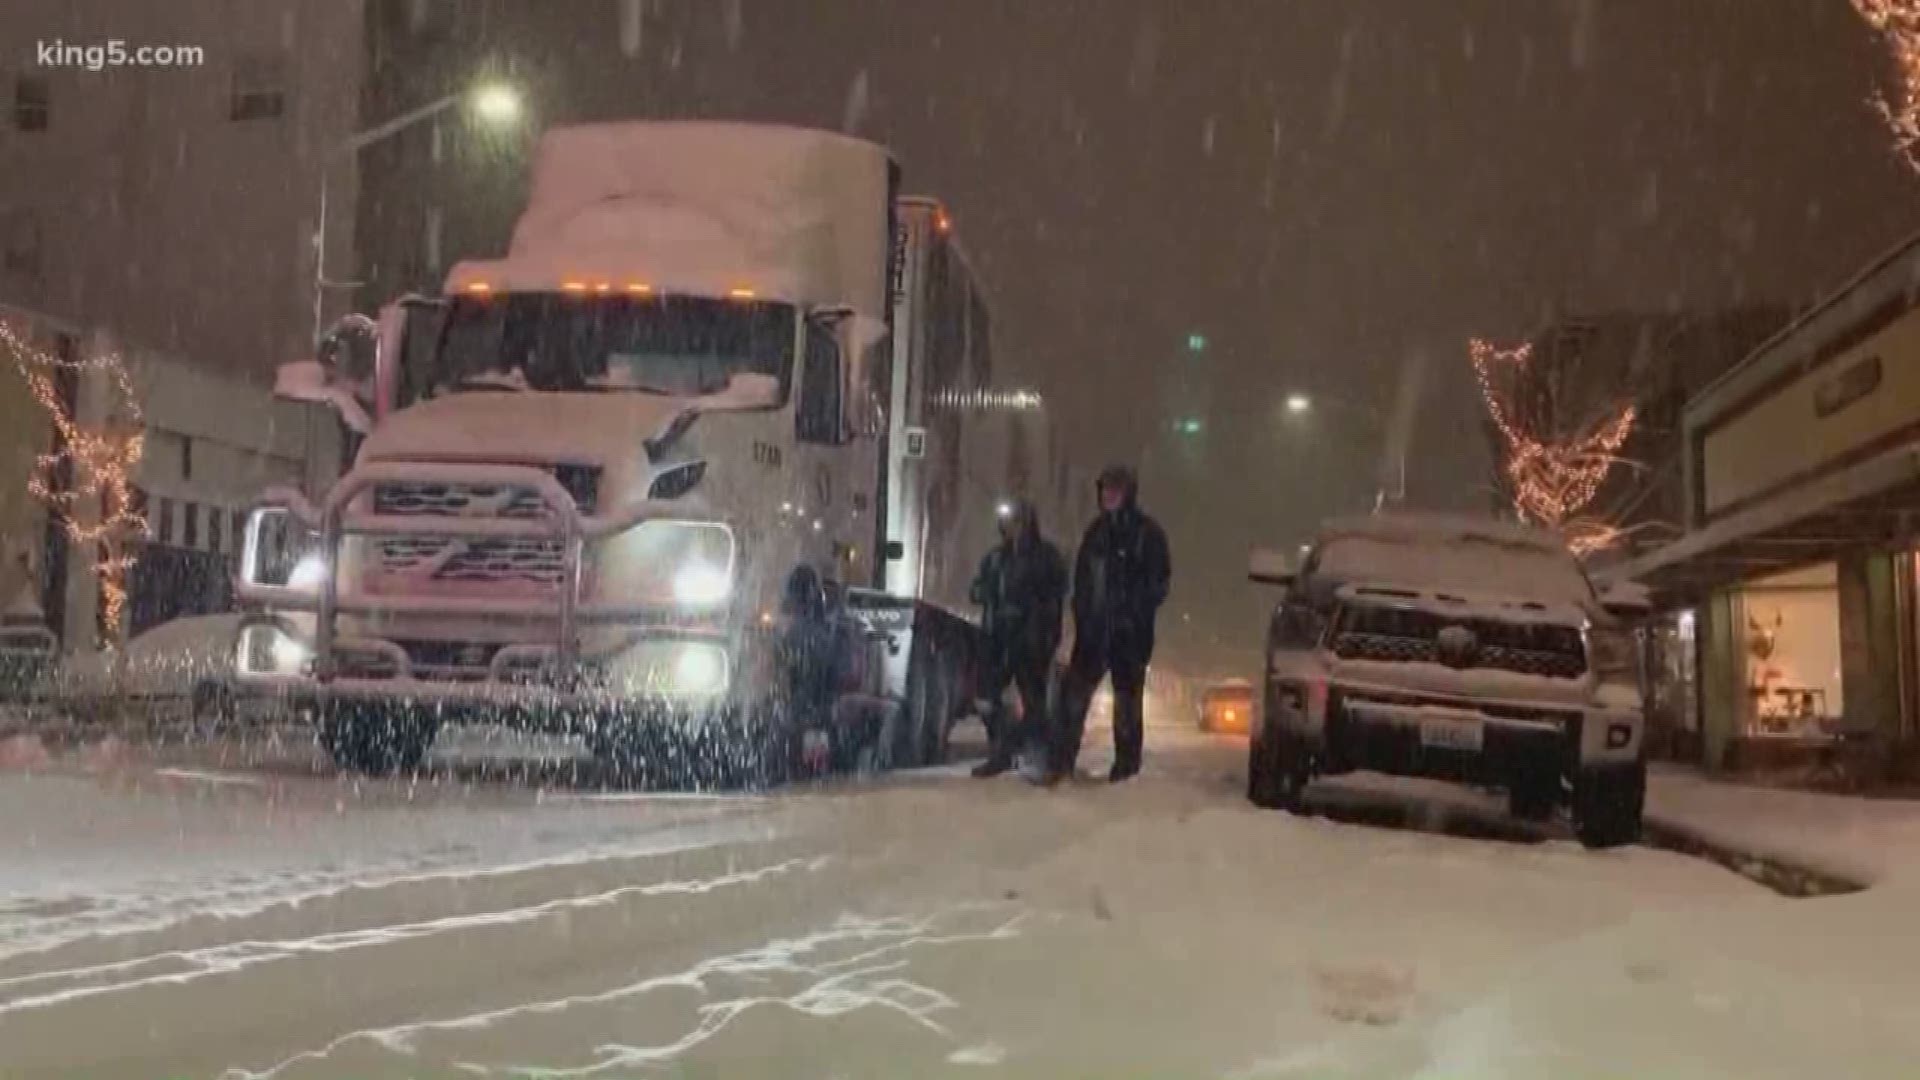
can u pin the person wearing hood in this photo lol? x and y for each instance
(1121, 576)
(1021, 588)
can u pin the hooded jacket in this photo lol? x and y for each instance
(1021, 588)
(1123, 570)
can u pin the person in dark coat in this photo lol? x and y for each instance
(1121, 576)
(1021, 588)
(808, 648)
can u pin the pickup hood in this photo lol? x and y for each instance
(601, 429)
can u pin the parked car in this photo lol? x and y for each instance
(1227, 706)
(1457, 648)
(185, 664)
(27, 651)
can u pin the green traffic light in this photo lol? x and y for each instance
(1196, 343)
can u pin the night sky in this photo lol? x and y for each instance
(1321, 187)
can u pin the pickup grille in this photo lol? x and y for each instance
(508, 560)
(1412, 635)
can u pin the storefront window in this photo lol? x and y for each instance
(1792, 647)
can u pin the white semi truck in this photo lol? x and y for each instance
(713, 353)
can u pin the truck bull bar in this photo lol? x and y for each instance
(337, 517)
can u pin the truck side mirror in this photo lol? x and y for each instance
(1269, 568)
(1627, 601)
(819, 418)
(310, 382)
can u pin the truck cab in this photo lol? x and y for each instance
(586, 469)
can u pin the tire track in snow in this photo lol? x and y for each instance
(194, 964)
(828, 986)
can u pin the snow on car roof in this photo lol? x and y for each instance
(1483, 557)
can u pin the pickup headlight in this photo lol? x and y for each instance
(265, 649)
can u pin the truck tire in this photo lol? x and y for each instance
(1607, 804)
(1277, 772)
(378, 739)
(728, 753)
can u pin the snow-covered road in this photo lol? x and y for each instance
(175, 919)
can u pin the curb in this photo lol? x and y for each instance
(1786, 876)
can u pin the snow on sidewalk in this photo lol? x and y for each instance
(1859, 839)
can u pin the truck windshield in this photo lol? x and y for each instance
(683, 346)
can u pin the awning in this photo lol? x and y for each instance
(1871, 503)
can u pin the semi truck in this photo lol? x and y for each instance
(587, 470)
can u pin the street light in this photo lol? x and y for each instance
(492, 102)
(1299, 404)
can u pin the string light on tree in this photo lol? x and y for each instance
(1552, 477)
(1898, 23)
(96, 506)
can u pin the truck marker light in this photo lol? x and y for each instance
(603, 287)
(741, 294)
(942, 223)
(574, 286)
(479, 288)
(639, 288)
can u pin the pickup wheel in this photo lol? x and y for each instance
(1532, 797)
(378, 739)
(1277, 772)
(1607, 804)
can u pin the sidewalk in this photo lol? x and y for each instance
(1865, 840)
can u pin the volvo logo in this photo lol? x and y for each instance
(1457, 647)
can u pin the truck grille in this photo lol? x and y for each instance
(446, 559)
(1411, 635)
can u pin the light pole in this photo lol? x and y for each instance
(1300, 405)
(495, 103)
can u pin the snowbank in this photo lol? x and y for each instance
(1865, 840)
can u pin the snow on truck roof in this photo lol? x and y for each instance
(1482, 557)
(701, 208)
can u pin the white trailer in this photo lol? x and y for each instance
(590, 466)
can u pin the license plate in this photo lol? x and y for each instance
(1450, 733)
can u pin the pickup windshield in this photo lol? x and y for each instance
(682, 346)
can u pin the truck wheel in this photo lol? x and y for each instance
(1532, 797)
(1607, 804)
(213, 706)
(631, 754)
(1277, 773)
(378, 739)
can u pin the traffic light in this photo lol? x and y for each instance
(1196, 343)
(1187, 425)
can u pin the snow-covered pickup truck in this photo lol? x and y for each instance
(1456, 648)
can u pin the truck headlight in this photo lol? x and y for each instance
(308, 573)
(672, 667)
(266, 649)
(701, 583)
(670, 562)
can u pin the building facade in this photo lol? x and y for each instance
(160, 172)
(1795, 579)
